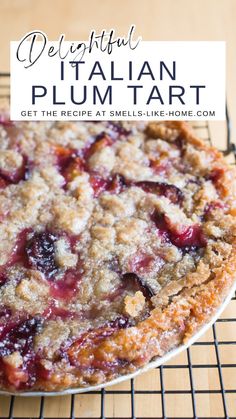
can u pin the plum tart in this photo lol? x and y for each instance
(117, 245)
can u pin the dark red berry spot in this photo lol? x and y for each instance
(191, 236)
(14, 177)
(185, 237)
(174, 194)
(19, 336)
(98, 183)
(5, 312)
(40, 251)
(67, 287)
(113, 185)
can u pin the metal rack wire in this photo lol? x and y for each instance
(214, 342)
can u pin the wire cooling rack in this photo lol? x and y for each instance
(199, 383)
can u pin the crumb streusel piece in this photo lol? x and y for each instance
(117, 244)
